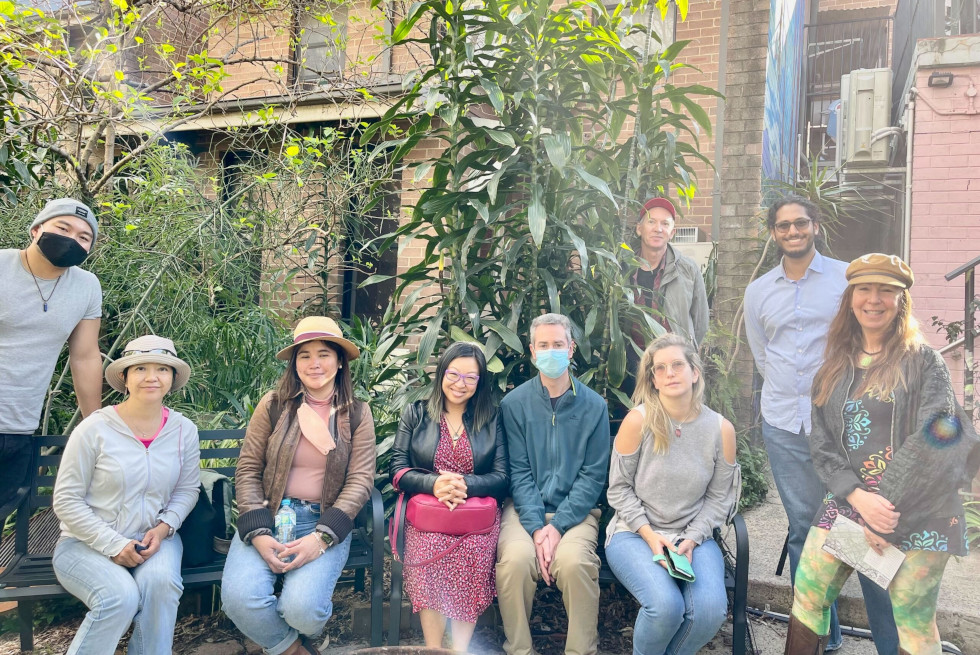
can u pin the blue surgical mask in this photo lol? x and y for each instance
(551, 363)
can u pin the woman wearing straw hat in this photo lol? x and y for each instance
(893, 447)
(310, 442)
(129, 476)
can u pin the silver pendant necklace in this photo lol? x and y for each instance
(38, 286)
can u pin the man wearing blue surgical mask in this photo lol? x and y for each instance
(46, 301)
(558, 445)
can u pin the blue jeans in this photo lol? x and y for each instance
(802, 492)
(305, 604)
(676, 618)
(145, 596)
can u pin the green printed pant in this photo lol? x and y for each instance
(914, 592)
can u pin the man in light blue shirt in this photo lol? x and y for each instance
(787, 314)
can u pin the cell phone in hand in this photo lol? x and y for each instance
(140, 548)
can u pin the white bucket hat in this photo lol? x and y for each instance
(148, 349)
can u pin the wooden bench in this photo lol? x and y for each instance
(736, 584)
(29, 577)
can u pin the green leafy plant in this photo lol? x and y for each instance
(536, 181)
(972, 509)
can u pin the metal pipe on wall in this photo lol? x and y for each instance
(720, 123)
(907, 205)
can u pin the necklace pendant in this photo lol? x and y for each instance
(45, 306)
(677, 432)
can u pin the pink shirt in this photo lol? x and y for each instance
(305, 479)
(163, 421)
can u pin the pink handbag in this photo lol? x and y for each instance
(475, 515)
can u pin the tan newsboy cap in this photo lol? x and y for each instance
(881, 268)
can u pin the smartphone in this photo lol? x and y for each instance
(140, 548)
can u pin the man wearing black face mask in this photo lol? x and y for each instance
(46, 300)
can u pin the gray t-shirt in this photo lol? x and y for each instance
(31, 339)
(684, 493)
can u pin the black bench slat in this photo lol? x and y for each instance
(28, 576)
(219, 453)
(215, 435)
(49, 440)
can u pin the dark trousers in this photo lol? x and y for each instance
(15, 462)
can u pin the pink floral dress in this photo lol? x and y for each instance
(460, 585)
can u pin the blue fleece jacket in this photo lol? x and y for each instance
(559, 457)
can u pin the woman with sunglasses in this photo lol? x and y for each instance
(452, 447)
(128, 479)
(673, 479)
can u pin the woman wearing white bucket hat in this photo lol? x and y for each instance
(129, 477)
(311, 443)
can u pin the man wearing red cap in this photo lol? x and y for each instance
(668, 282)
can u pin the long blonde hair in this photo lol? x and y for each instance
(845, 342)
(657, 421)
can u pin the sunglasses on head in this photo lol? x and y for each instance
(151, 351)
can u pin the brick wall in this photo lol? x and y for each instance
(945, 213)
(831, 5)
(741, 187)
(703, 28)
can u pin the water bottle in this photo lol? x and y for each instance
(286, 522)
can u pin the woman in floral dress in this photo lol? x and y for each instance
(452, 447)
(893, 448)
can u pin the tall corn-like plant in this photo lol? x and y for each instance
(539, 179)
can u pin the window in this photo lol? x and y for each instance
(322, 42)
(663, 27)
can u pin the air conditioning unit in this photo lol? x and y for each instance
(865, 109)
(686, 234)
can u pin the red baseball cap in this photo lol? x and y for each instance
(663, 203)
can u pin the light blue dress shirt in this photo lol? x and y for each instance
(786, 323)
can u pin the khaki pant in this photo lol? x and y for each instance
(575, 570)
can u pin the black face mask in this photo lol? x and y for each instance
(62, 251)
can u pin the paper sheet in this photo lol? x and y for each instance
(847, 543)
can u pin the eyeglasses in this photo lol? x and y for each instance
(800, 224)
(454, 376)
(659, 370)
(151, 351)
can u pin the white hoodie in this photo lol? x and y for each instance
(111, 488)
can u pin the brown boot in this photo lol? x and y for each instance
(801, 640)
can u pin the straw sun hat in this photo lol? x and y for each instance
(319, 328)
(148, 349)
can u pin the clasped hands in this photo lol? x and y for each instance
(302, 551)
(546, 541)
(879, 515)
(131, 558)
(449, 489)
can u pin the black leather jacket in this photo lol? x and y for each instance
(415, 447)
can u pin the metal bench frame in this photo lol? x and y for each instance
(29, 577)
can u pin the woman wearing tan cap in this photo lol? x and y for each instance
(310, 444)
(893, 447)
(129, 477)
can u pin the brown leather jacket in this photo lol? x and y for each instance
(267, 455)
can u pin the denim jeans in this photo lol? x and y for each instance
(146, 596)
(305, 604)
(675, 618)
(802, 492)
